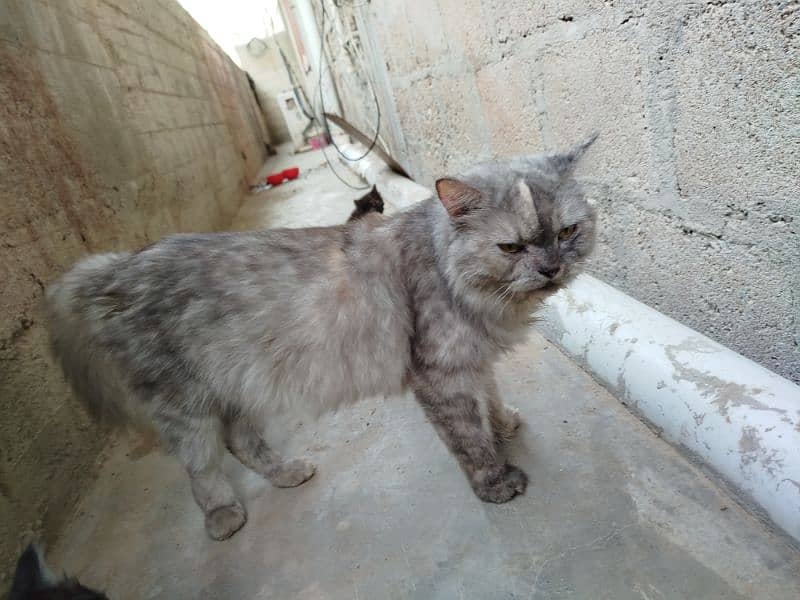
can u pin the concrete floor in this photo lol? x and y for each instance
(612, 511)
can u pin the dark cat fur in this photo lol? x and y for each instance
(371, 202)
(33, 581)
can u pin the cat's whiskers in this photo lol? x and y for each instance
(499, 295)
(508, 296)
(472, 276)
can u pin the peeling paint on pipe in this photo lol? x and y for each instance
(741, 419)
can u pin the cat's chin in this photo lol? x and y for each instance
(549, 288)
(552, 287)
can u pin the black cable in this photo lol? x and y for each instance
(339, 177)
(351, 4)
(293, 82)
(324, 120)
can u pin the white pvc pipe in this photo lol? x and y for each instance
(741, 419)
(736, 416)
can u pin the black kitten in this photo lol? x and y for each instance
(33, 581)
(372, 202)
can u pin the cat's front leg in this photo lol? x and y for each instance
(459, 410)
(504, 419)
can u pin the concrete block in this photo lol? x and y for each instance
(469, 29)
(51, 479)
(390, 23)
(594, 84)
(176, 10)
(169, 54)
(125, 55)
(82, 41)
(515, 19)
(124, 41)
(128, 76)
(736, 85)
(736, 107)
(428, 45)
(177, 81)
(162, 149)
(164, 23)
(508, 96)
(118, 17)
(519, 21)
(47, 389)
(406, 103)
(429, 137)
(84, 10)
(448, 124)
(148, 111)
(91, 104)
(44, 25)
(12, 28)
(465, 132)
(21, 273)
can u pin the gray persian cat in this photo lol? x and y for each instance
(207, 336)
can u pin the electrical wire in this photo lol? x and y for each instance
(290, 72)
(351, 4)
(339, 177)
(298, 95)
(324, 120)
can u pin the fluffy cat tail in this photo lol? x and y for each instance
(73, 318)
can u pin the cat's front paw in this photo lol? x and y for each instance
(502, 485)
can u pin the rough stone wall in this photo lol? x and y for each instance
(696, 173)
(119, 122)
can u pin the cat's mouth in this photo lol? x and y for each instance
(544, 290)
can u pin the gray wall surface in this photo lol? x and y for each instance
(696, 173)
(120, 122)
(265, 66)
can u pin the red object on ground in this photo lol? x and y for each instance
(319, 142)
(275, 179)
(291, 173)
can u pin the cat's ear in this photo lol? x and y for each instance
(564, 162)
(457, 197)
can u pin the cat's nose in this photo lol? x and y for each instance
(550, 271)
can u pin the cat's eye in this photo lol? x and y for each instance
(567, 232)
(511, 248)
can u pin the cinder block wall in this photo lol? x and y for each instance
(119, 122)
(697, 170)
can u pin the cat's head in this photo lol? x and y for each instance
(516, 230)
(371, 202)
(34, 581)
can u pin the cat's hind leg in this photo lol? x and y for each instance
(197, 443)
(248, 445)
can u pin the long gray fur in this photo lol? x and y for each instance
(207, 336)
